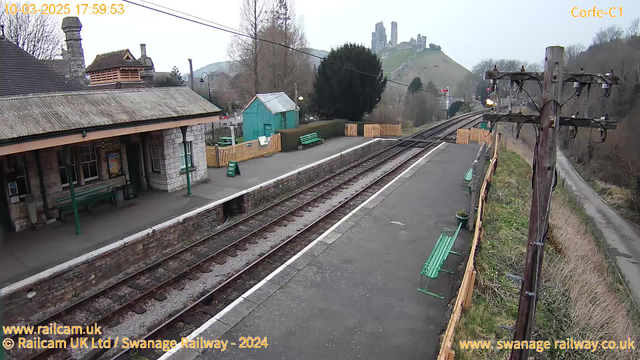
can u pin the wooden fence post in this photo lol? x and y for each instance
(466, 304)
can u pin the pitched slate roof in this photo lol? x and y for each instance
(59, 66)
(24, 116)
(21, 73)
(276, 102)
(112, 60)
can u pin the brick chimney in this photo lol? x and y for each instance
(74, 55)
(149, 70)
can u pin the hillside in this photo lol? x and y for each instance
(222, 66)
(225, 66)
(429, 65)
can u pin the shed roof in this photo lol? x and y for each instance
(114, 59)
(21, 73)
(24, 116)
(276, 102)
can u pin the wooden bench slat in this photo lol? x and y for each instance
(310, 138)
(86, 198)
(438, 257)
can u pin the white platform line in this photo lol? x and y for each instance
(139, 235)
(257, 286)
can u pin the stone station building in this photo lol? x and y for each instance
(118, 139)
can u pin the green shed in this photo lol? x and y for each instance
(267, 113)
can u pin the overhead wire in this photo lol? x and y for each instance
(217, 26)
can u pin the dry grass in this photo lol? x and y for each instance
(598, 306)
(585, 299)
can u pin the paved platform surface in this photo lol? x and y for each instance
(28, 252)
(353, 294)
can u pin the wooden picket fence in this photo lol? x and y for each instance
(465, 293)
(378, 130)
(462, 136)
(220, 156)
(480, 135)
(350, 129)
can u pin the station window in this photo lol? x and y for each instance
(64, 180)
(89, 162)
(156, 157)
(21, 177)
(189, 155)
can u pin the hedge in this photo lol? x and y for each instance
(325, 129)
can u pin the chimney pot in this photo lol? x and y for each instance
(143, 50)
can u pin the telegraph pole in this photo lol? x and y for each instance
(545, 160)
(547, 123)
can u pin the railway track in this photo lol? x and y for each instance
(176, 270)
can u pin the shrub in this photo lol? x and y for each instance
(325, 129)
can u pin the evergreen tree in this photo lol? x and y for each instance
(343, 86)
(416, 84)
(175, 73)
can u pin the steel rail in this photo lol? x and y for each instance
(156, 331)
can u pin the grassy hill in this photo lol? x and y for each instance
(429, 65)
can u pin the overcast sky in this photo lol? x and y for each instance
(467, 30)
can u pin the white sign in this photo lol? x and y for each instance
(263, 140)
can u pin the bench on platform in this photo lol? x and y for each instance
(466, 180)
(86, 198)
(310, 139)
(436, 260)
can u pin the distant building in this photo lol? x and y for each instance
(119, 69)
(420, 43)
(394, 34)
(379, 39)
(267, 113)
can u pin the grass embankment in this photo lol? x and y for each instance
(620, 198)
(584, 301)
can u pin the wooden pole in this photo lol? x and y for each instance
(545, 163)
(469, 293)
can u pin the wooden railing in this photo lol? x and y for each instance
(220, 156)
(465, 293)
(377, 130)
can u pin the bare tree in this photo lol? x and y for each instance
(571, 52)
(611, 33)
(245, 52)
(38, 34)
(283, 66)
(634, 28)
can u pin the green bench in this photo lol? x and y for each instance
(225, 141)
(310, 139)
(436, 260)
(86, 198)
(468, 176)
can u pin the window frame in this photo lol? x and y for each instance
(92, 152)
(73, 163)
(21, 169)
(182, 155)
(154, 154)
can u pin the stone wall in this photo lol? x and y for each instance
(62, 288)
(303, 178)
(171, 177)
(176, 177)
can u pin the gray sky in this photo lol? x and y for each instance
(467, 30)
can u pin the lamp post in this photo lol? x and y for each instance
(208, 82)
